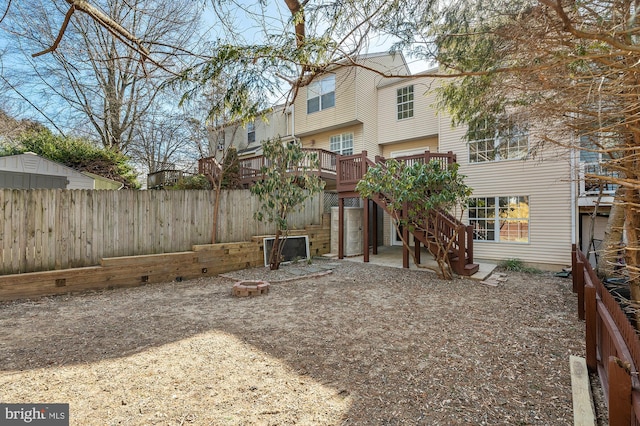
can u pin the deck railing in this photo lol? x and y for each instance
(453, 234)
(209, 167)
(449, 231)
(250, 169)
(346, 169)
(612, 344)
(350, 169)
(444, 158)
(593, 179)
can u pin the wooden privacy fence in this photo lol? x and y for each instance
(612, 345)
(44, 230)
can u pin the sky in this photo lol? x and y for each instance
(237, 18)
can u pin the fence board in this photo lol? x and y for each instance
(49, 229)
(610, 338)
(2, 233)
(17, 233)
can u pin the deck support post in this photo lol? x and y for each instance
(374, 219)
(365, 231)
(405, 238)
(340, 228)
(579, 275)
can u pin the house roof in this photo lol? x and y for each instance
(396, 80)
(367, 57)
(31, 163)
(249, 151)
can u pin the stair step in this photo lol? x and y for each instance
(470, 269)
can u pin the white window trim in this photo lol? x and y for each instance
(320, 93)
(496, 219)
(497, 140)
(597, 166)
(408, 102)
(251, 128)
(342, 148)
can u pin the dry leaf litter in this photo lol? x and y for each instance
(333, 343)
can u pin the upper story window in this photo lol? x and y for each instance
(251, 132)
(498, 141)
(321, 94)
(342, 144)
(404, 102)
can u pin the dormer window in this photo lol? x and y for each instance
(321, 94)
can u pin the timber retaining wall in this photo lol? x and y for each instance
(130, 271)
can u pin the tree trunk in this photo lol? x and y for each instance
(276, 252)
(297, 14)
(216, 209)
(632, 250)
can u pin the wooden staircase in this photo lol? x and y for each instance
(437, 231)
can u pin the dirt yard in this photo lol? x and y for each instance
(355, 344)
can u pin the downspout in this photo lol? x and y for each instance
(293, 121)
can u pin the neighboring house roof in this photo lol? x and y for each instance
(101, 182)
(29, 171)
(253, 150)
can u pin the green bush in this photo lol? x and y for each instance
(517, 265)
(76, 153)
(192, 182)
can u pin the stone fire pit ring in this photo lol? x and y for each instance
(247, 288)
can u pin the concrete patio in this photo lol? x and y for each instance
(392, 256)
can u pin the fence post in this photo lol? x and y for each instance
(590, 326)
(579, 274)
(573, 267)
(619, 393)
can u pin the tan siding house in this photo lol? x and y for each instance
(423, 121)
(355, 107)
(248, 137)
(531, 202)
(545, 180)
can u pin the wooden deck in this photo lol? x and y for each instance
(351, 168)
(251, 168)
(346, 171)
